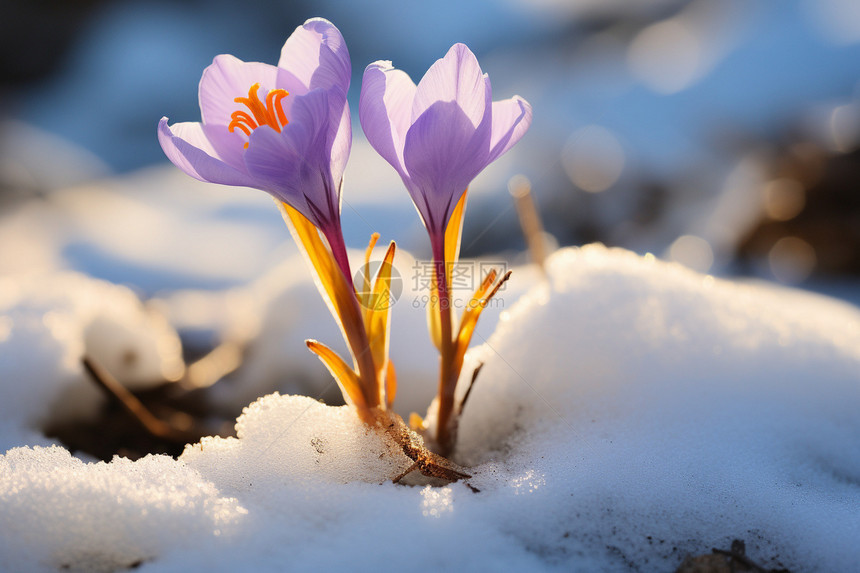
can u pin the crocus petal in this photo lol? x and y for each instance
(187, 147)
(301, 159)
(294, 164)
(340, 135)
(223, 81)
(385, 110)
(316, 55)
(511, 119)
(227, 78)
(275, 161)
(443, 153)
(229, 146)
(456, 77)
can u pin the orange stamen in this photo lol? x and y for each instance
(273, 103)
(271, 113)
(243, 121)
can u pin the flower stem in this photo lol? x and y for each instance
(334, 236)
(447, 375)
(353, 324)
(360, 346)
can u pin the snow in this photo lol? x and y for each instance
(675, 406)
(634, 335)
(156, 230)
(298, 440)
(50, 321)
(629, 412)
(59, 512)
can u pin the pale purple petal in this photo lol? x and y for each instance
(223, 81)
(443, 153)
(452, 128)
(340, 135)
(385, 110)
(294, 165)
(280, 164)
(227, 78)
(228, 146)
(293, 85)
(511, 119)
(456, 77)
(271, 160)
(315, 54)
(187, 147)
(302, 164)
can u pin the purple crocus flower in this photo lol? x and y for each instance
(439, 134)
(284, 129)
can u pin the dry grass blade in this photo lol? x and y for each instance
(468, 393)
(521, 190)
(221, 361)
(474, 310)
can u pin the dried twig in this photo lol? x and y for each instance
(222, 360)
(521, 190)
(135, 407)
(469, 389)
(411, 444)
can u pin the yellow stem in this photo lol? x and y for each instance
(447, 374)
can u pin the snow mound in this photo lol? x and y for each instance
(296, 439)
(102, 517)
(617, 336)
(646, 411)
(48, 322)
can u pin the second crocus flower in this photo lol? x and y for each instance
(439, 135)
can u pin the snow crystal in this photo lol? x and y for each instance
(59, 512)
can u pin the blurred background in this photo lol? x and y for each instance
(719, 133)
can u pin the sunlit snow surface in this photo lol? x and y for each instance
(629, 412)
